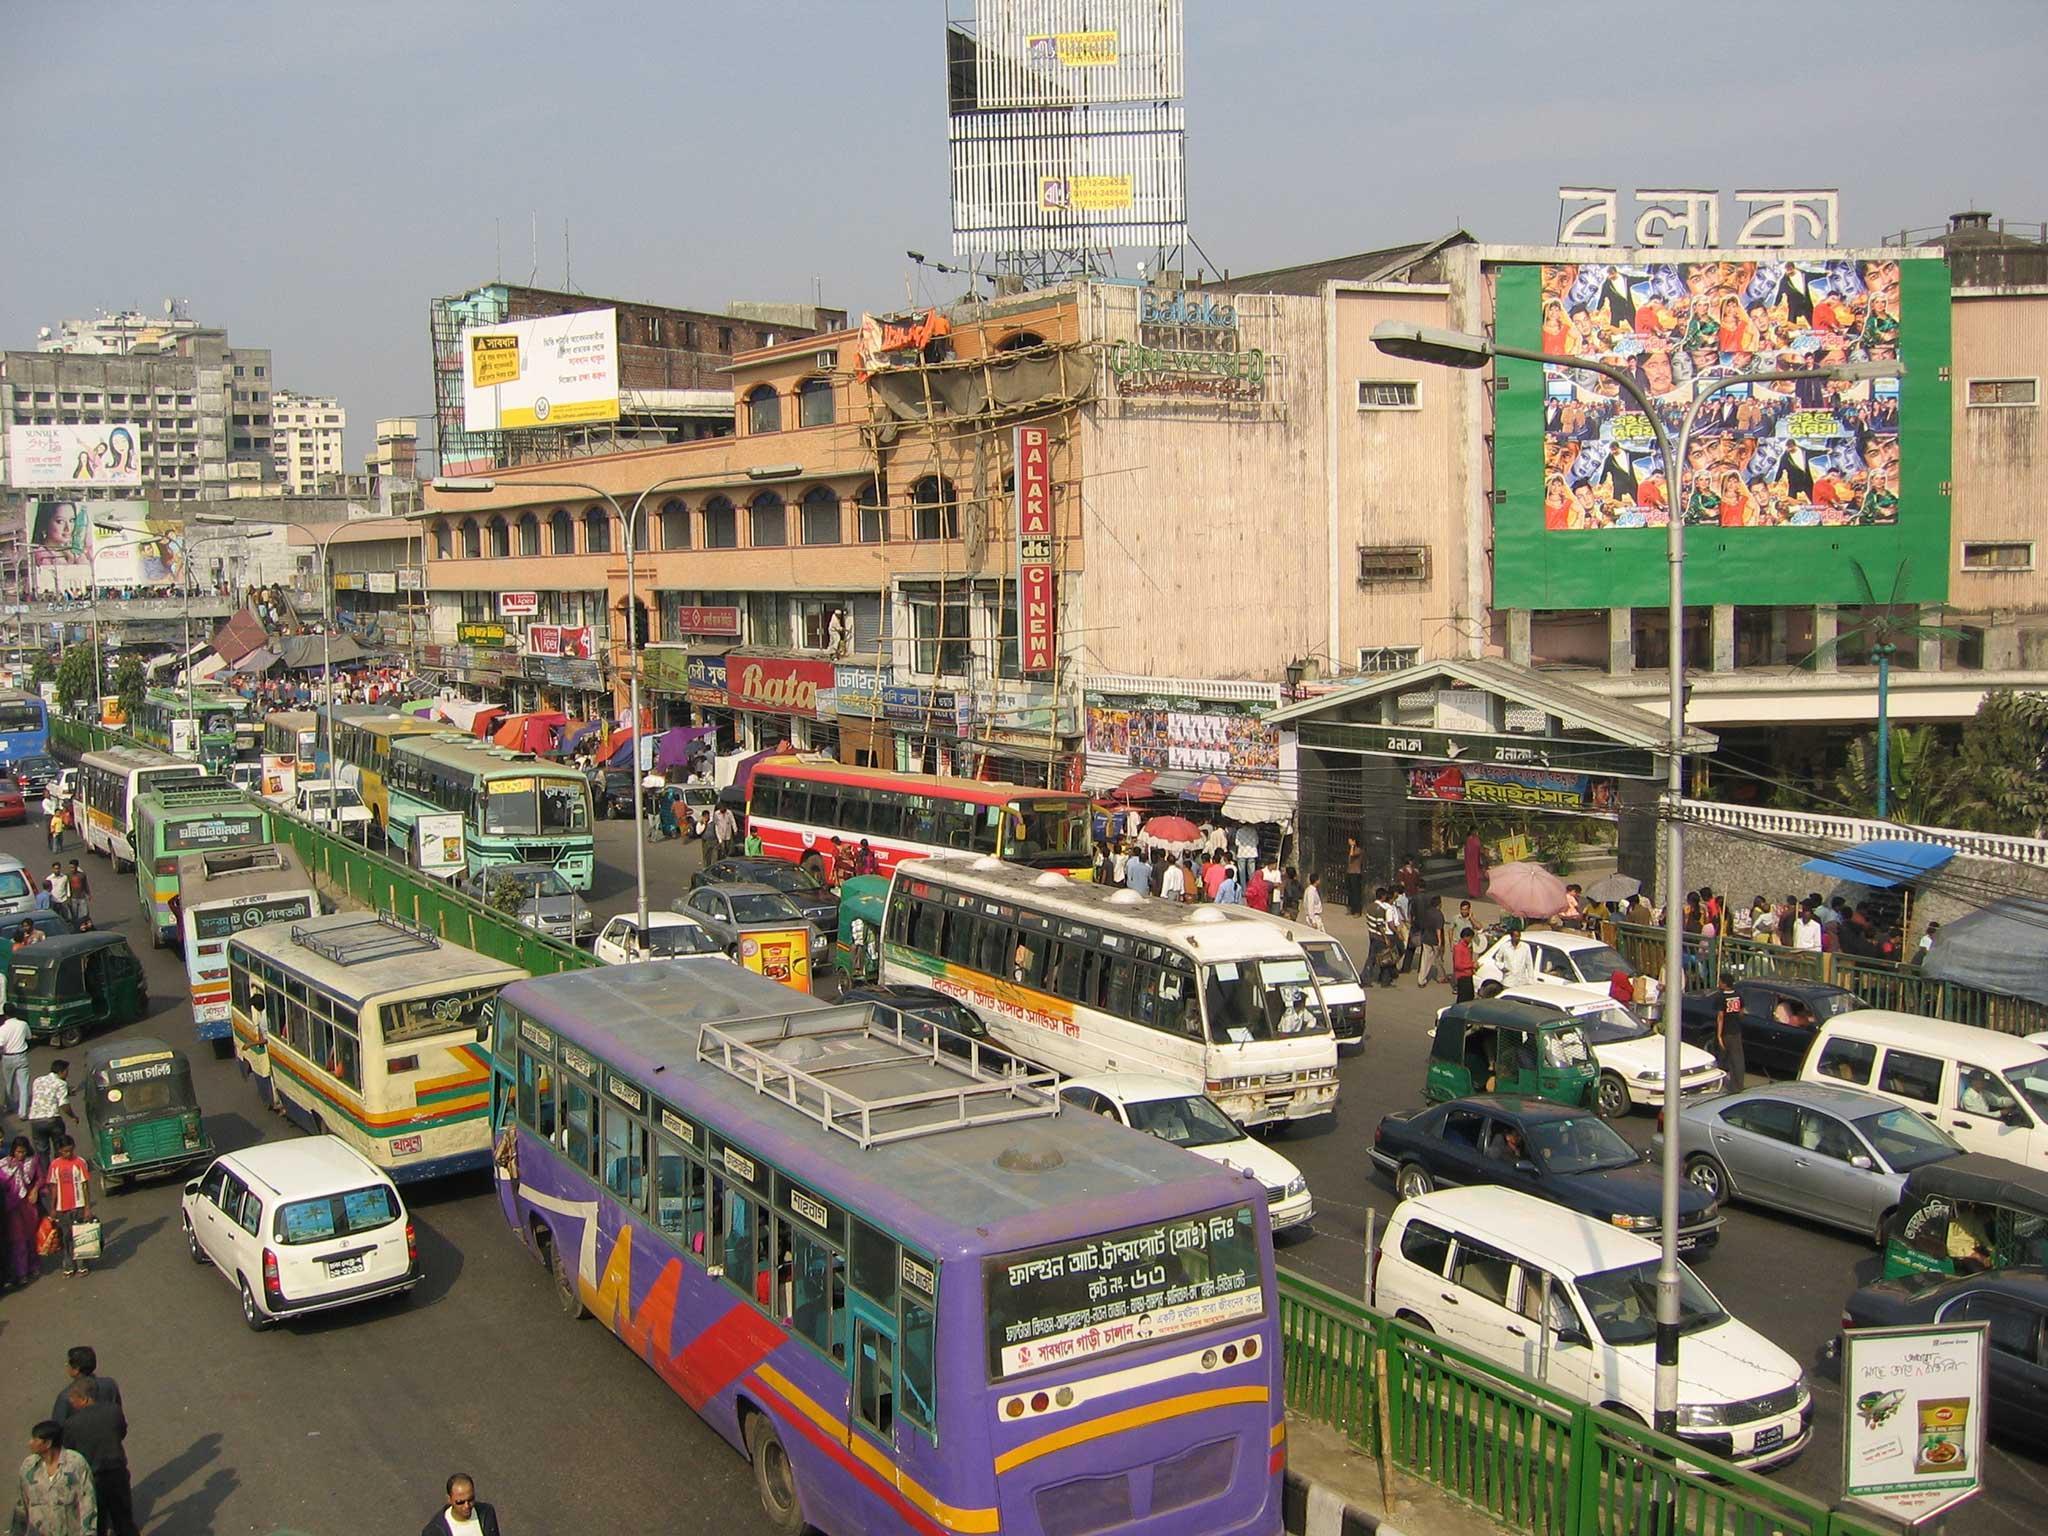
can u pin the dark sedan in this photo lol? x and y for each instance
(923, 1007)
(1779, 1020)
(33, 774)
(817, 901)
(1568, 1156)
(2013, 1301)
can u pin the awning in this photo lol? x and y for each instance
(257, 662)
(240, 635)
(208, 666)
(1883, 863)
(676, 747)
(462, 713)
(304, 653)
(1257, 801)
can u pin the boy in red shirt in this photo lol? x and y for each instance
(70, 1202)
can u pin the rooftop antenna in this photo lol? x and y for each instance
(533, 275)
(567, 286)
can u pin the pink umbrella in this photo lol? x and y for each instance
(1527, 890)
(1175, 832)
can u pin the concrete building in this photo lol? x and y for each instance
(308, 439)
(393, 466)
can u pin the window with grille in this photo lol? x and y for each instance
(1384, 564)
(939, 627)
(1388, 658)
(2007, 555)
(1389, 395)
(2005, 392)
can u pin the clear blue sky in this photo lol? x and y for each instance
(310, 175)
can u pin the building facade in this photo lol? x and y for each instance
(307, 442)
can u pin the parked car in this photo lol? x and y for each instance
(960, 1028)
(546, 902)
(1163, 1107)
(1988, 1090)
(1628, 1049)
(1578, 960)
(668, 934)
(1779, 1020)
(818, 902)
(2015, 1304)
(14, 926)
(1563, 1155)
(1829, 1153)
(300, 1226)
(323, 801)
(760, 928)
(1493, 1271)
(13, 803)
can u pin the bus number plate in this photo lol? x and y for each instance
(403, 1145)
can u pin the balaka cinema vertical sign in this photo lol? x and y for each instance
(1036, 634)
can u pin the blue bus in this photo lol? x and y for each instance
(24, 726)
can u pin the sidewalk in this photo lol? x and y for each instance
(1333, 1489)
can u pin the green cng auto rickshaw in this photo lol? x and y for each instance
(140, 1113)
(1501, 1045)
(73, 983)
(1967, 1214)
(857, 950)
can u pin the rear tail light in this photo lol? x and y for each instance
(1378, 1132)
(273, 1286)
(165, 867)
(412, 1244)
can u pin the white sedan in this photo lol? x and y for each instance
(1630, 1052)
(1576, 960)
(1163, 1107)
(668, 935)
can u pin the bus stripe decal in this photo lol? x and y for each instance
(723, 1353)
(383, 1122)
(1128, 1418)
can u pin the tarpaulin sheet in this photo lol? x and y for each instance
(2001, 948)
(1882, 864)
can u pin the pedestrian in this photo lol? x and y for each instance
(1213, 873)
(69, 1182)
(1258, 895)
(1517, 962)
(95, 1429)
(1173, 885)
(81, 898)
(842, 862)
(1806, 930)
(1429, 941)
(1463, 964)
(1475, 866)
(55, 1494)
(1291, 895)
(1138, 874)
(466, 1514)
(21, 1179)
(1311, 902)
(14, 1066)
(58, 884)
(1246, 842)
(1354, 877)
(53, 813)
(1229, 893)
(82, 1362)
(1409, 878)
(723, 830)
(864, 862)
(1728, 1037)
(1920, 953)
(49, 1105)
(753, 845)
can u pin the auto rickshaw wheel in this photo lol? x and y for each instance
(66, 1039)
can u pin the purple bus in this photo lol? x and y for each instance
(917, 1293)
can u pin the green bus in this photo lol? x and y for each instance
(188, 816)
(159, 724)
(515, 808)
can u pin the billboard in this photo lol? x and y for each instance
(1789, 488)
(71, 542)
(73, 454)
(555, 371)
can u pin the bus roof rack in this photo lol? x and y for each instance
(241, 861)
(867, 1079)
(205, 790)
(374, 936)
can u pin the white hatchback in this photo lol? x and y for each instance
(1163, 1107)
(1630, 1053)
(300, 1226)
(1491, 1270)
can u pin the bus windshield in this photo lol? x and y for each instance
(1046, 831)
(510, 805)
(564, 806)
(1250, 1000)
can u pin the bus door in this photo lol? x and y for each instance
(871, 1315)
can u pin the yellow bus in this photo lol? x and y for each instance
(363, 744)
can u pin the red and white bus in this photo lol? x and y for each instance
(798, 805)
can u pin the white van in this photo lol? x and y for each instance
(1470, 1265)
(1337, 977)
(17, 889)
(1988, 1090)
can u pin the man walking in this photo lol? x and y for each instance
(96, 1430)
(54, 1494)
(1246, 842)
(1517, 962)
(14, 1066)
(1463, 965)
(82, 1363)
(49, 1103)
(1354, 877)
(81, 898)
(69, 1184)
(1429, 940)
(466, 1514)
(58, 884)
(1138, 873)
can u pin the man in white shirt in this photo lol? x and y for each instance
(1518, 962)
(1247, 845)
(1173, 885)
(14, 1066)
(466, 1514)
(1806, 930)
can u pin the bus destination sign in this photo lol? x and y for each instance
(221, 922)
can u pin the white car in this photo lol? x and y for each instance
(1473, 1266)
(1163, 1107)
(322, 800)
(300, 1226)
(1630, 1052)
(668, 935)
(1578, 960)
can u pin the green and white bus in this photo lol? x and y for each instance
(515, 808)
(196, 816)
(164, 722)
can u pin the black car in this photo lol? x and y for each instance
(923, 1007)
(818, 902)
(1568, 1156)
(34, 774)
(1779, 1020)
(2013, 1301)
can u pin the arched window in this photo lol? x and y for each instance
(675, 525)
(501, 538)
(821, 515)
(529, 534)
(874, 513)
(767, 522)
(472, 547)
(441, 546)
(764, 409)
(1020, 341)
(935, 513)
(721, 524)
(561, 532)
(597, 532)
(814, 403)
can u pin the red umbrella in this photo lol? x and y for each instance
(1527, 890)
(1175, 832)
(1135, 787)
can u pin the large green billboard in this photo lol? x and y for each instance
(1794, 492)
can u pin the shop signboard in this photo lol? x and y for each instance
(488, 633)
(1568, 754)
(380, 581)
(349, 581)
(665, 668)
(437, 841)
(1036, 633)
(777, 685)
(1913, 1404)
(721, 622)
(704, 680)
(544, 639)
(411, 579)
(858, 691)
(518, 605)
(1185, 735)
(1514, 789)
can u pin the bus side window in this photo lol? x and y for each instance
(988, 821)
(874, 1380)
(899, 919)
(875, 1264)
(1028, 961)
(820, 1281)
(1073, 972)
(625, 1157)
(678, 1193)
(1122, 983)
(824, 809)
(742, 1220)
(920, 824)
(931, 919)
(956, 825)
(767, 796)
(578, 1114)
(886, 814)
(536, 1096)
(998, 942)
(961, 931)
(1178, 1011)
(919, 1363)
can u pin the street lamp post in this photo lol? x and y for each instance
(1459, 349)
(630, 521)
(190, 545)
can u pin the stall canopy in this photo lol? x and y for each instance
(677, 747)
(304, 653)
(1882, 864)
(1258, 801)
(578, 734)
(529, 733)
(2001, 948)
(462, 713)
(240, 635)
(486, 720)
(258, 661)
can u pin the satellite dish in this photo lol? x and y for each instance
(170, 307)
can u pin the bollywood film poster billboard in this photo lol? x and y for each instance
(1185, 735)
(70, 543)
(1794, 491)
(72, 454)
(555, 371)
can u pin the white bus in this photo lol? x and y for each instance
(108, 783)
(223, 893)
(362, 1025)
(1088, 978)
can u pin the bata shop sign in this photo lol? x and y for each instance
(777, 685)
(573, 642)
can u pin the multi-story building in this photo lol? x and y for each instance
(307, 442)
(394, 466)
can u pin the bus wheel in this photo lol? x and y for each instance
(774, 1477)
(566, 1294)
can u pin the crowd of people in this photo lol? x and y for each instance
(1213, 872)
(1826, 925)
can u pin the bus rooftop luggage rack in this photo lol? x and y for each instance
(374, 936)
(199, 791)
(866, 1080)
(242, 861)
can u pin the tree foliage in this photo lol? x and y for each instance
(128, 680)
(1990, 780)
(75, 681)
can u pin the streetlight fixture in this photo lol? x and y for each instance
(1463, 349)
(465, 485)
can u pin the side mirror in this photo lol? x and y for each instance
(1859, 1160)
(1523, 1165)
(192, 1186)
(1572, 1336)
(2016, 1115)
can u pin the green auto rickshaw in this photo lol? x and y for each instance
(857, 950)
(140, 1113)
(1501, 1045)
(1966, 1214)
(75, 982)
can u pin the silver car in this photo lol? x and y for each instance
(545, 901)
(1831, 1154)
(728, 911)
